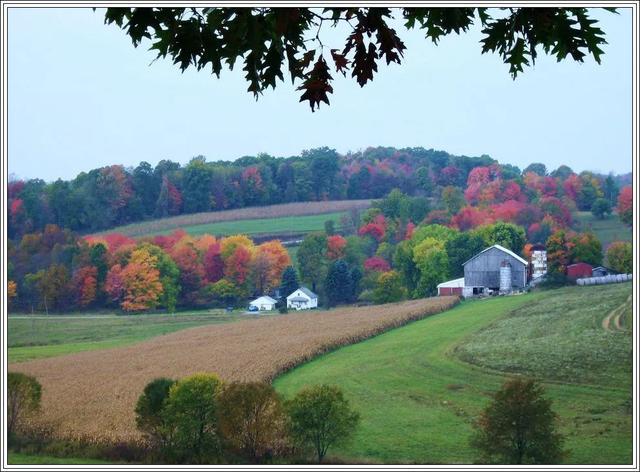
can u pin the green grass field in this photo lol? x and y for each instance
(283, 225)
(32, 337)
(418, 400)
(18, 458)
(560, 338)
(608, 230)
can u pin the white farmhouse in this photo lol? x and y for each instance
(264, 303)
(302, 299)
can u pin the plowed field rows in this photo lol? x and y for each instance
(92, 394)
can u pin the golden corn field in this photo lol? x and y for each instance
(249, 213)
(91, 395)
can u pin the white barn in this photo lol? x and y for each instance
(264, 303)
(302, 299)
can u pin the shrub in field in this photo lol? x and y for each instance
(320, 417)
(389, 288)
(519, 427)
(251, 419)
(191, 410)
(150, 418)
(620, 257)
(23, 399)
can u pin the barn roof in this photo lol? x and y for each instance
(452, 283)
(503, 249)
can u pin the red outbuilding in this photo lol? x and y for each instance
(579, 270)
(452, 287)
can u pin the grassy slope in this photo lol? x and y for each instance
(287, 224)
(559, 338)
(418, 401)
(41, 336)
(608, 230)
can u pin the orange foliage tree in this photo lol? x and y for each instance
(267, 265)
(12, 290)
(335, 247)
(625, 205)
(85, 281)
(141, 282)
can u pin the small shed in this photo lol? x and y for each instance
(603, 271)
(264, 303)
(579, 270)
(451, 287)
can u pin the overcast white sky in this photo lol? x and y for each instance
(81, 96)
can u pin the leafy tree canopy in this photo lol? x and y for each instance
(265, 39)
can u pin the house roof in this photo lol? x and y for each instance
(299, 299)
(264, 299)
(452, 283)
(501, 248)
(308, 292)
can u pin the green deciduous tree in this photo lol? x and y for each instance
(311, 259)
(218, 38)
(23, 399)
(508, 235)
(389, 288)
(432, 262)
(462, 247)
(150, 412)
(321, 417)
(192, 412)
(519, 427)
(601, 208)
(620, 257)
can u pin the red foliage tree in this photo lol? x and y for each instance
(213, 263)
(85, 282)
(408, 234)
(191, 270)
(557, 210)
(114, 285)
(377, 264)
(377, 228)
(572, 186)
(237, 265)
(469, 217)
(437, 217)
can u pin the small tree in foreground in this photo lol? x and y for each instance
(252, 419)
(149, 410)
(519, 427)
(320, 417)
(191, 410)
(23, 399)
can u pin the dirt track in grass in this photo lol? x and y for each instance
(91, 395)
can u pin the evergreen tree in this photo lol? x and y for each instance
(289, 282)
(338, 284)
